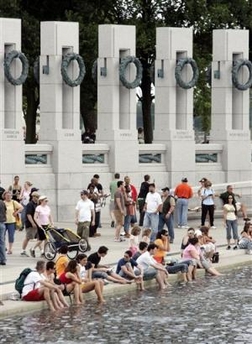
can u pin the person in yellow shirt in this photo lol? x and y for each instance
(62, 260)
(163, 245)
(13, 210)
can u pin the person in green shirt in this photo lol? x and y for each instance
(112, 189)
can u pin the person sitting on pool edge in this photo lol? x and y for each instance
(71, 279)
(85, 272)
(129, 269)
(151, 268)
(104, 271)
(37, 288)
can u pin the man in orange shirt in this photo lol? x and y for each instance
(183, 192)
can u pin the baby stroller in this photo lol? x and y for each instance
(57, 237)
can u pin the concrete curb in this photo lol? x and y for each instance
(10, 307)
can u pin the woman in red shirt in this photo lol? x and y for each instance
(70, 278)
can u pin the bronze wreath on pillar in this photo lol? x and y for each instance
(122, 68)
(67, 59)
(179, 67)
(235, 71)
(14, 54)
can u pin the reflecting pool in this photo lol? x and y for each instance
(209, 310)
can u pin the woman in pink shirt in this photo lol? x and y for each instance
(43, 219)
(193, 252)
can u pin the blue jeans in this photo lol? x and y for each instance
(182, 210)
(10, 228)
(169, 223)
(23, 215)
(178, 267)
(151, 221)
(129, 219)
(232, 225)
(2, 243)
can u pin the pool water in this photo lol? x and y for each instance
(209, 310)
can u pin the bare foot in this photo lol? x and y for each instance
(163, 287)
(101, 301)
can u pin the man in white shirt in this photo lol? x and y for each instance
(37, 288)
(151, 268)
(84, 215)
(152, 207)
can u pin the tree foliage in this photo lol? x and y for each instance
(203, 15)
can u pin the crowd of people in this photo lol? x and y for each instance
(149, 239)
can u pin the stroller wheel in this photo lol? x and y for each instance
(83, 245)
(72, 254)
(50, 251)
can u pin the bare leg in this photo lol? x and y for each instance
(164, 277)
(160, 280)
(62, 298)
(77, 296)
(117, 278)
(96, 286)
(25, 243)
(139, 281)
(47, 297)
(190, 272)
(213, 272)
(38, 244)
(194, 272)
(55, 300)
(10, 247)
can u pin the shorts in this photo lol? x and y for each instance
(34, 295)
(30, 233)
(238, 206)
(209, 247)
(41, 234)
(205, 263)
(119, 217)
(111, 206)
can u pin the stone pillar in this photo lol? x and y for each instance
(230, 106)
(173, 104)
(60, 111)
(117, 104)
(11, 133)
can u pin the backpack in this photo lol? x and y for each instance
(19, 283)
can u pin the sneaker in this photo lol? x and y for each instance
(24, 254)
(112, 225)
(32, 252)
(229, 247)
(119, 240)
(212, 227)
(178, 226)
(235, 247)
(171, 241)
